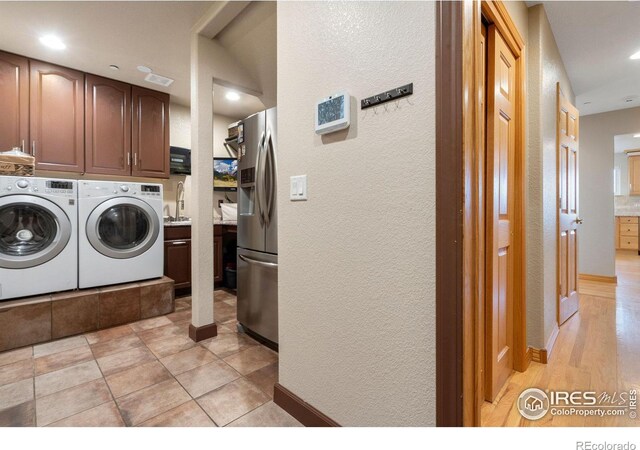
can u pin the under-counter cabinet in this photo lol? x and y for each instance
(218, 272)
(107, 126)
(14, 101)
(177, 255)
(627, 233)
(56, 117)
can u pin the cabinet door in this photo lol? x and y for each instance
(177, 262)
(107, 126)
(150, 131)
(57, 117)
(217, 259)
(634, 175)
(14, 98)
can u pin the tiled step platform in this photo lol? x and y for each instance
(33, 320)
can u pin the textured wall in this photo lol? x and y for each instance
(597, 246)
(357, 260)
(545, 70)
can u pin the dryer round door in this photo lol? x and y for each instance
(33, 230)
(123, 227)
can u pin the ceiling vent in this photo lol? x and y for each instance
(158, 79)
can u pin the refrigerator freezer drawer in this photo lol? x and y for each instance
(258, 293)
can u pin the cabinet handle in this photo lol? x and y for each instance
(178, 242)
(135, 160)
(22, 146)
(129, 159)
(33, 148)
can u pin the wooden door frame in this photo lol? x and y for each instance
(460, 200)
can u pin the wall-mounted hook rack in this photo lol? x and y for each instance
(387, 96)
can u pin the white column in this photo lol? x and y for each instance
(202, 186)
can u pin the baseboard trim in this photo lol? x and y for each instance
(306, 414)
(528, 356)
(600, 278)
(542, 355)
(551, 342)
(538, 355)
(198, 334)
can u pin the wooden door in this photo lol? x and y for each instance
(57, 117)
(634, 175)
(107, 126)
(177, 262)
(14, 102)
(150, 143)
(500, 155)
(568, 220)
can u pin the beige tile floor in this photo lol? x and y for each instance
(148, 373)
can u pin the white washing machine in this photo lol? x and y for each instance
(38, 236)
(120, 232)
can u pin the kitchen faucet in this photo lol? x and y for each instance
(179, 193)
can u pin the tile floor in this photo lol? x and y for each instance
(148, 373)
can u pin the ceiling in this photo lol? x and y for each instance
(595, 39)
(97, 34)
(251, 38)
(624, 142)
(246, 105)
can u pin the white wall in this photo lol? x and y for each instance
(545, 70)
(357, 260)
(597, 245)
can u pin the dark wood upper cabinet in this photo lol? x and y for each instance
(14, 102)
(150, 133)
(107, 126)
(57, 117)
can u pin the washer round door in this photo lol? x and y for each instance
(123, 228)
(33, 230)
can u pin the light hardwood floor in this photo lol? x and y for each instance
(596, 350)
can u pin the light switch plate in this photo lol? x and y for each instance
(298, 188)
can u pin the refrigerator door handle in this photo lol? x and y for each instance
(256, 262)
(268, 144)
(258, 181)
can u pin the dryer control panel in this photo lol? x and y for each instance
(95, 189)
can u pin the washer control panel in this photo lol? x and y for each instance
(28, 185)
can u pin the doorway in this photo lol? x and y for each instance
(626, 192)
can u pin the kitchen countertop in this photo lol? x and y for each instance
(185, 223)
(622, 213)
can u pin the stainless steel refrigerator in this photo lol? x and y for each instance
(258, 226)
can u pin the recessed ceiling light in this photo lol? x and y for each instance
(114, 67)
(232, 96)
(53, 42)
(144, 69)
(637, 135)
(636, 55)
